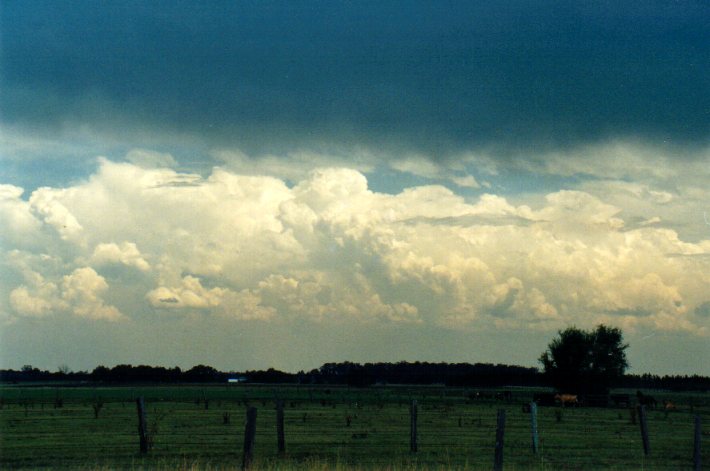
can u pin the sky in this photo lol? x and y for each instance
(255, 184)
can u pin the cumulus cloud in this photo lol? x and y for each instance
(19, 226)
(126, 253)
(46, 202)
(34, 304)
(574, 210)
(79, 292)
(329, 248)
(191, 293)
(316, 296)
(82, 290)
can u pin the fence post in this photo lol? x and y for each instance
(500, 432)
(249, 434)
(644, 429)
(413, 426)
(142, 427)
(696, 445)
(280, 427)
(533, 426)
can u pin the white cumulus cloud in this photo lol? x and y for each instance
(126, 253)
(82, 290)
(328, 247)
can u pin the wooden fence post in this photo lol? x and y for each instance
(533, 426)
(500, 432)
(249, 434)
(413, 426)
(142, 427)
(280, 427)
(644, 429)
(696, 445)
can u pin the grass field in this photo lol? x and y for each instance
(188, 429)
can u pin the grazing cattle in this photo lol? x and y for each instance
(668, 405)
(646, 400)
(566, 399)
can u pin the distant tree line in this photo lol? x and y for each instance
(449, 374)
(118, 374)
(670, 382)
(345, 373)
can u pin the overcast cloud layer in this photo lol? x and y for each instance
(183, 183)
(423, 76)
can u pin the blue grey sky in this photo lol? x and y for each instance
(436, 78)
(561, 149)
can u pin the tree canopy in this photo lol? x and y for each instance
(579, 361)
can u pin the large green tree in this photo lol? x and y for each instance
(582, 362)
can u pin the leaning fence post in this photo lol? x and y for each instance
(644, 429)
(280, 427)
(249, 434)
(533, 426)
(142, 428)
(696, 445)
(500, 432)
(413, 426)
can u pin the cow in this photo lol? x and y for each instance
(668, 405)
(566, 399)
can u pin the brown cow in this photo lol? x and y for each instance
(668, 405)
(566, 399)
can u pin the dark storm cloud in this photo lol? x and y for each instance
(433, 76)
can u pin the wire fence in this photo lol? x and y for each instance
(348, 427)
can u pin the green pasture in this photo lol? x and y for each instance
(55, 427)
